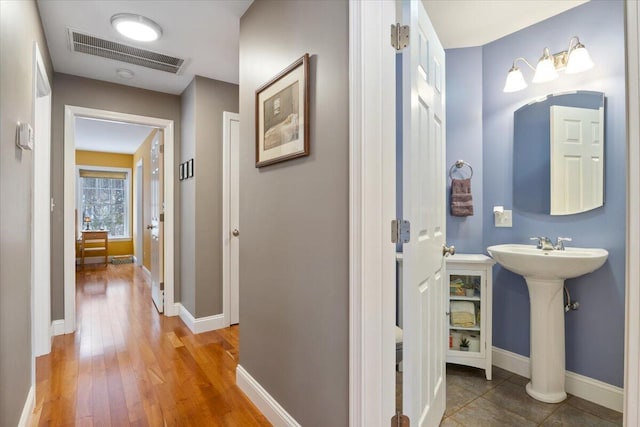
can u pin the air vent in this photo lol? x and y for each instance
(85, 43)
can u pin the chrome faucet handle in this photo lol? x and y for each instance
(544, 243)
(539, 239)
(560, 243)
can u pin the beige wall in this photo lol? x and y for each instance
(82, 92)
(144, 152)
(203, 103)
(294, 216)
(20, 27)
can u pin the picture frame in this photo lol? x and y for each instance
(190, 169)
(181, 171)
(282, 115)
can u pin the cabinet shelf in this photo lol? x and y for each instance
(471, 272)
(461, 298)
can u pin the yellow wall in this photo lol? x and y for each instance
(144, 153)
(113, 160)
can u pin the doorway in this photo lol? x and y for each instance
(71, 114)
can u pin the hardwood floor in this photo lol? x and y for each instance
(126, 365)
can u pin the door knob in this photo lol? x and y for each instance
(149, 227)
(235, 232)
(451, 250)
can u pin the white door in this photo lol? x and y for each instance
(424, 297)
(231, 227)
(577, 148)
(157, 221)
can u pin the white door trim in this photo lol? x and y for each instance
(70, 114)
(138, 212)
(227, 118)
(371, 209)
(41, 221)
(632, 341)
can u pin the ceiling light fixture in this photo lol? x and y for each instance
(136, 27)
(574, 60)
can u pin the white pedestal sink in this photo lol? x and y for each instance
(545, 273)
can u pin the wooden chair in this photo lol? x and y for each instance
(94, 241)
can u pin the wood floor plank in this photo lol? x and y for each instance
(127, 365)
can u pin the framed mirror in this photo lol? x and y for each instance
(558, 154)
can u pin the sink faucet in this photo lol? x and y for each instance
(559, 246)
(544, 243)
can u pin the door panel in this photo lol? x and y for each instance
(157, 213)
(424, 298)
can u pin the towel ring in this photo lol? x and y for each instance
(459, 164)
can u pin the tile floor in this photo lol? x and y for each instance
(472, 401)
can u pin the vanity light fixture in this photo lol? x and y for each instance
(136, 27)
(576, 59)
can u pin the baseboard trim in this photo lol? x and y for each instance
(201, 324)
(269, 407)
(148, 273)
(29, 406)
(57, 327)
(590, 389)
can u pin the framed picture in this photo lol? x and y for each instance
(190, 168)
(282, 115)
(181, 174)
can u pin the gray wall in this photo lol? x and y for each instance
(82, 92)
(203, 103)
(187, 202)
(294, 217)
(20, 27)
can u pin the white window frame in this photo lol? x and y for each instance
(127, 195)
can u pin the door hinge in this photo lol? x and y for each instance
(400, 231)
(399, 36)
(399, 420)
(161, 148)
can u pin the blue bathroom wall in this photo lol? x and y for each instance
(595, 332)
(464, 142)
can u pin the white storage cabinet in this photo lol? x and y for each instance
(470, 299)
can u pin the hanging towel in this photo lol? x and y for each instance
(461, 202)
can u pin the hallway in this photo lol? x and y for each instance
(128, 365)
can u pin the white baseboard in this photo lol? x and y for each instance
(269, 407)
(202, 324)
(590, 389)
(57, 327)
(147, 272)
(29, 406)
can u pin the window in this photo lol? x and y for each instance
(103, 200)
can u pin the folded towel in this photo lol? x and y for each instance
(461, 202)
(463, 319)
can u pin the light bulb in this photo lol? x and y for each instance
(579, 60)
(545, 71)
(515, 80)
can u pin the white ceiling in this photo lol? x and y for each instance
(467, 23)
(205, 33)
(108, 136)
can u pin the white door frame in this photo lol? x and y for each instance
(632, 292)
(369, 341)
(70, 114)
(41, 207)
(227, 170)
(372, 257)
(138, 214)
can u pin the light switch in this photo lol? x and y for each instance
(503, 219)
